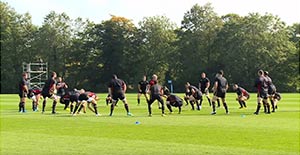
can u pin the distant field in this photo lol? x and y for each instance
(189, 133)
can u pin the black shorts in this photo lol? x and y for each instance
(83, 97)
(142, 92)
(155, 97)
(116, 96)
(73, 98)
(262, 94)
(220, 94)
(46, 94)
(22, 94)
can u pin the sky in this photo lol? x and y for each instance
(100, 10)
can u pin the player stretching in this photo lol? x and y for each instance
(220, 88)
(48, 92)
(194, 96)
(142, 88)
(262, 92)
(173, 100)
(89, 98)
(117, 89)
(35, 95)
(23, 90)
(243, 95)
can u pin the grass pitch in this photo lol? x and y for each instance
(192, 132)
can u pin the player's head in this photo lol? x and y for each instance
(144, 78)
(266, 73)
(59, 79)
(203, 75)
(53, 75)
(154, 77)
(187, 84)
(114, 76)
(260, 72)
(25, 75)
(221, 72)
(82, 91)
(235, 86)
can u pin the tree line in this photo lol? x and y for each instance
(86, 54)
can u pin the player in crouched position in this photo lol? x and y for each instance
(242, 97)
(173, 101)
(89, 98)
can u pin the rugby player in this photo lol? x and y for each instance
(142, 88)
(242, 95)
(173, 100)
(23, 90)
(220, 88)
(34, 95)
(48, 91)
(204, 84)
(156, 93)
(271, 89)
(89, 98)
(262, 92)
(117, 89)
(194, 95)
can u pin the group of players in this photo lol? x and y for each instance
(76, 100)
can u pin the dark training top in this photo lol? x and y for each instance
(155, 89)
(48, 84)
(261, 84)
(116, 85)
(241, 92)
(174, 100)
(23, 82)
(143, 85)
(203, 82)
(222, 83)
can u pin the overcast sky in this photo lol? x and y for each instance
(99, 10)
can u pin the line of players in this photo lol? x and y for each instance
(80, 99)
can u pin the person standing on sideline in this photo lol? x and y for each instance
(117, 89)
(220, 88)
(23, 91)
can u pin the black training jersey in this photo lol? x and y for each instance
(241, 91)
(222, 83)
(155, 89)
(173, 98)
(261, 84)
(23, 82)
(116, 85)
(203, 83)
(48, 84)
(143, 85)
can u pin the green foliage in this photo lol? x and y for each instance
(192, 132)
(86, 54)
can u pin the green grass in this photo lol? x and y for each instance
(192, 132)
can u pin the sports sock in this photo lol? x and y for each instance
(218, 103)
(192, 104)
(149, 108)
(226, 107)
(53, 106)
(241, 103)
(209, 101)
(44, 105)
(214, 106)
(20, 106)
(126, 107)
(23, 106)
(138, 101)
(95, 108)
(273, 105)
(112, 106)
(258, 108)
(244, 104)
(76, 107)
(71, 108)
(162, 108)
(33, 105)
(169, 107)
(201, 100)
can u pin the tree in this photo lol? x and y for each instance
(17, 33)
(157, 50)
(199, 28)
